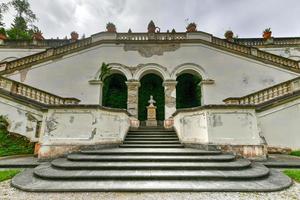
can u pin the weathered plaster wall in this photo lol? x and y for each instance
(22, 119)
(288, 52)
(64, 128)
(218, 126)
(280, 125)
(234, 75)
(8, 54)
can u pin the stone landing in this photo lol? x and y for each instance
(151, 160)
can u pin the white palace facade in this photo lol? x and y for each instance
(52, 93)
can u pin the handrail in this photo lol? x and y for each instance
(266, 94)
(273, 41)
(33, 93)
(257, 53)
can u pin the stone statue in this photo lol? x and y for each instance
(151, 101)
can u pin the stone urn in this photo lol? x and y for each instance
(267, 34)
(229, 35)
(111, 28)
(38, 36)
(74, 36)
(192, 27)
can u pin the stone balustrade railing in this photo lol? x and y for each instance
(257, 53)
(273, 41)
(151, 36)
(48, 43)
(35, 94)
(267, 94)
(45, 54)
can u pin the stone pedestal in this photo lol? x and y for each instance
(151, 116)
(132, 97)
(100, 83)
(170, 97)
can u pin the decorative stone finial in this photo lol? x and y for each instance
(130, 31)
(152, 27)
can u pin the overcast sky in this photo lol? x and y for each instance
(247, 18)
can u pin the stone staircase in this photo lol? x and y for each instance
(150, 160)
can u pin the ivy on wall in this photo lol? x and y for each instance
(151, 84)
(188, 91)
(115, 91)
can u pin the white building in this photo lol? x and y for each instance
(249, 96)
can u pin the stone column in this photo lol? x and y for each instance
(170, 97)
(132, 97)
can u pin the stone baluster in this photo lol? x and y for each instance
(132, 97)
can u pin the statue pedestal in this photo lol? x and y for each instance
(151, 116)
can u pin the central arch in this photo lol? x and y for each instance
(151, 84)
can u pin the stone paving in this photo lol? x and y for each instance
(9, 193)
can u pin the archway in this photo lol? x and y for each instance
(151, 84)
(115, 91)
(188, 91)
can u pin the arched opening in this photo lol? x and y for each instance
(115, 91)
(151, 84)
(188, 91)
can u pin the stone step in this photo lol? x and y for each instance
(151, 146)
(150, 151)
(153, 158)
(46, 171)
(151, 139)
(28, 182)
(151, 136)
(151, 142)
(67, 164)
(151, 133)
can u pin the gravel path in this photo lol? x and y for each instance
(8, 192)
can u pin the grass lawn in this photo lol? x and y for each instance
(8, 174)
(295, 153)
(14, 145)
(294, 174)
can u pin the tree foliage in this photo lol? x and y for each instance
(22, 26)
(3, 9)
(105, 71)
(188, 91)
(115, 91)
(151, 84)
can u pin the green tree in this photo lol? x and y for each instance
(105, 71)
(24, 18)
(3, 9)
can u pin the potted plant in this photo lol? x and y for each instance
(38, 35)
(2, 34)
(191, 27)
(74, 36)
(111, 28)
(229, 35)
(267, 33)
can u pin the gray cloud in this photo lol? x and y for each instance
(245, 18)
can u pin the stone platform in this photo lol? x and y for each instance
(151, 160)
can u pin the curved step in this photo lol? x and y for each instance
(28, 182)
(160, 158)
(149, 151)
(66, 164)
(46, 171)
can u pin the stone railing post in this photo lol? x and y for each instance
(170, 97)
(132, 97)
